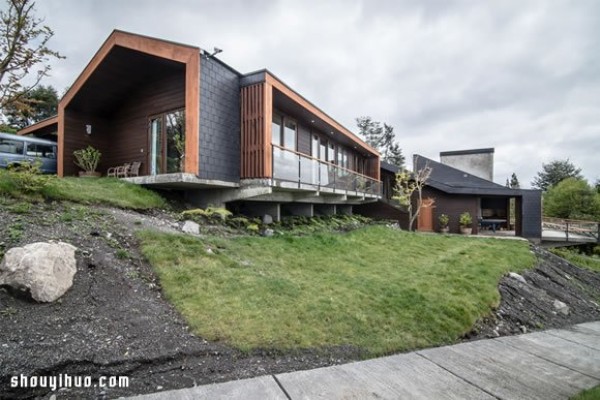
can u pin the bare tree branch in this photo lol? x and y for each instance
(23, 47)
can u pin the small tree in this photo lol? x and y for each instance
(408, 186)
(370, 130)
(40, 103)
(555, 172)
(23, 42)
(572, 198)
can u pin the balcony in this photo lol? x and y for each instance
(303, 171)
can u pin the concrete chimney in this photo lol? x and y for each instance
(477, 162)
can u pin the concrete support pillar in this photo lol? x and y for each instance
(324, 209)
(260, 209)
(344, 209)
(298, 209)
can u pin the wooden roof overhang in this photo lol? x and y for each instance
(123, 62)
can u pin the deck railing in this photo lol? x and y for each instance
(292, 166)
(574, 230)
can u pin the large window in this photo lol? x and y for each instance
(289, 134)
(276, 128)
(167, 142)
(284, 131)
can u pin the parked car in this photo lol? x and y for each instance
(16, 150)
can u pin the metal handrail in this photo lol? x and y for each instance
(371, 185)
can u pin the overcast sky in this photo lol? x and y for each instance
(520, 76)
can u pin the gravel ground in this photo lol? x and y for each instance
(114, 320)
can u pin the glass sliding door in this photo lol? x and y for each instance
(156, 153)
(175, 141)
(167, 143)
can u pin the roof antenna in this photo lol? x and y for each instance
(216, 51)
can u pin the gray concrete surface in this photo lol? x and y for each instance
(554, 364)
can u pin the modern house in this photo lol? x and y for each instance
(452, 191)
(247, 141)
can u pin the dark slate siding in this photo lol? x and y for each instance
(253, 78)
(532, 214)
(303, 140)
(452, 205)
(219, 122)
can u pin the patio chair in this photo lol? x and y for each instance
(112, 171)
(133, 169)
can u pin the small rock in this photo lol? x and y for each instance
(190, 227)
(267, 219)
(53, 397)
(518, 277)
(561, 307)
(267, 232)
(523, 328)
(209, 251)
(495, 333)
(159, 387)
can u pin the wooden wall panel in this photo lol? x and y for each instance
(129, 138)
(77, 138)
(256, 118)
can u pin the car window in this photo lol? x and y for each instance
(41, 150)
(11, 146)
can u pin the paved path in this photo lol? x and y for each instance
(554, 364)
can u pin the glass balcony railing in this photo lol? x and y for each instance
(294, 167)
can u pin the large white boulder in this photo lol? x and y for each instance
(45, 269)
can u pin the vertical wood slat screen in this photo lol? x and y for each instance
(255, 148)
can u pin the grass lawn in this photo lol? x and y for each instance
(591, 394)
(108, 191)
(581, 260)
(380, 289)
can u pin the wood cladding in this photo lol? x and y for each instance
(255, 146)
(123, 136)
(162, 51)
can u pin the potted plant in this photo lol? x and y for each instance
(466, 223)
(87, 159)
(444, 220)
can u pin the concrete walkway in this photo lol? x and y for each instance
(554, 364)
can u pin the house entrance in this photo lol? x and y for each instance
(425, 219)
(167, 143)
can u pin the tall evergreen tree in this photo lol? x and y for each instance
(382, 139)
(514, 181)
(555, 172)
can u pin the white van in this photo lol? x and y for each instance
(15, 150)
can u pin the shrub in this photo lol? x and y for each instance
(444, 220)
(87, 159)
(465, 219)
(27, 178)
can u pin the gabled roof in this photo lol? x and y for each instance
(451, 180)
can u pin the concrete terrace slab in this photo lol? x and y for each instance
(560, 351)
(548, 365)
(407, 376)
(261, 388)
(509, 373)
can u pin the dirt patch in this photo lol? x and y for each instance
(115, 321)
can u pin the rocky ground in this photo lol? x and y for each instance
(115, 321)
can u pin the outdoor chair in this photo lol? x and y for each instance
(119, 171)
(133, 169)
